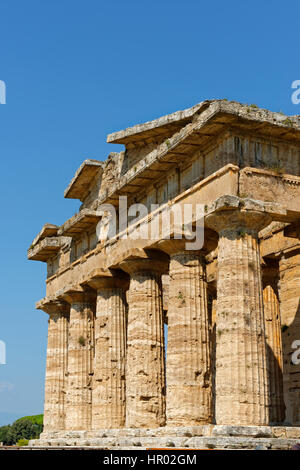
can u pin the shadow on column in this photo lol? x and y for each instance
(291, 370)
(270, 277)
(211, 305)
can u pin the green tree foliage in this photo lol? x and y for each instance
(22, 429)
(29, 427)
(4, 430)
(36, 419)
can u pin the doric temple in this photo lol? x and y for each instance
(151, 343)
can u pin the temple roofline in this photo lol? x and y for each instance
(179, 119)
(80, 184)
(156, 127)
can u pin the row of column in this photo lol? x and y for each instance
(108, 371)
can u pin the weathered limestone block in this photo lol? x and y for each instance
(145, 366)
(274, 345)
(109, 385)
(56, 368)
(242, 395)
(189, 382)
(289, 266)
(80, 360)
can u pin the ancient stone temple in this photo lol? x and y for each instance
(152, 343)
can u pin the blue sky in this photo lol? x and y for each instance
(76, 71)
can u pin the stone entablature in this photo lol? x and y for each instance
(230, 181)
(232, 308)
(47, 248)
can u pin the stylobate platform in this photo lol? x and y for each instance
(193, 437)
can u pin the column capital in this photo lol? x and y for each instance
(53, 307)
(77, 294)
(101, 278)
(151, 261)
(238, 220)
(175, 246)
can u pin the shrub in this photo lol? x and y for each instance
(22, 442)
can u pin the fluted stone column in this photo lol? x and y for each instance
(189, 381)
(145, 367)
(80, 360)
(274, 345)
(242, 394)
(212, 314)
(289, 268)
(109, 385)
(56, 368)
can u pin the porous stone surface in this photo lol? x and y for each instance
(189, 375)
(289, 268)
(274, 347)
(145, 364)
(108, 387)
(56, 367)
(78, 408)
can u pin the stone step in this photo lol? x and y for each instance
(196, 442)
